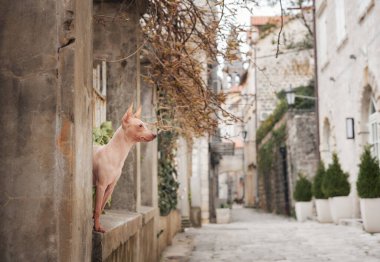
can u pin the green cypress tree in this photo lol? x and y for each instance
(368, 184)
(302, 191)
(335, 183)
(317, 183)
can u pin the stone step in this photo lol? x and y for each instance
(185, 223)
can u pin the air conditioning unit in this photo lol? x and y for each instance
(264, 115)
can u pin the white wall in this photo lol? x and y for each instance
(350, 66)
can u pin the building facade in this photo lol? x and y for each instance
(348, 44)
(267, 76)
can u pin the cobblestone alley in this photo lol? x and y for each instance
(260, 237)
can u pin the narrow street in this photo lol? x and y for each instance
(255, 236)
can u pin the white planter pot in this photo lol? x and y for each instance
(223, 215)
(340, 208)
(370, 209)
(323, 210)
(304, 211)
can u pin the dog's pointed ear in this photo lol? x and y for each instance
(127, 115)
(138, 112)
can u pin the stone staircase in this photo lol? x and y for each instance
(185, 223)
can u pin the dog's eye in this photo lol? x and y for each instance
(140, 125)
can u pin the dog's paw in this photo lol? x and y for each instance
(99, 229)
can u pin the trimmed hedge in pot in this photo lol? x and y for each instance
(302, 192)
(317, 183)
(335, 183)
(368, 184)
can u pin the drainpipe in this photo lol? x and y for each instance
(316, 92)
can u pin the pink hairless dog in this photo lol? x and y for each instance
(108, 160)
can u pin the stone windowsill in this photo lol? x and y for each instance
(120, 225)
(147, 213)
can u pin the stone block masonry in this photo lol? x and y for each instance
(297, 155)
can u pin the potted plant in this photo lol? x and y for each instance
(336, 187)
(321, 201)
(368, 186)
(302, 195)
(223, 214)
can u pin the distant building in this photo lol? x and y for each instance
(348, 44)
(266, 77)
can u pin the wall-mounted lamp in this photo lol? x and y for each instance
(291, 96)
(244, 134)
(350, 128)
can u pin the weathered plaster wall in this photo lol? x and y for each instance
(45, 156)
(343, 79)
(116, 39)
(199, 181)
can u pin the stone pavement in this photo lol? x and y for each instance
(259, 237)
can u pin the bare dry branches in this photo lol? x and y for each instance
(181, 44)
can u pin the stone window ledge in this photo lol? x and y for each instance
(147, 213)
(120, 225)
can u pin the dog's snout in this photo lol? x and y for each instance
(154, 135)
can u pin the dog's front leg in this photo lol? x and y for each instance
(107, 195)
(100, 189)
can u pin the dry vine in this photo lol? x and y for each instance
(181, 48)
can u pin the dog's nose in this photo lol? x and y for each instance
(154, 135)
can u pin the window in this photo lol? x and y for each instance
(374, 131)
(341, 32)
(237, 79)
(322, 40)
(229, 82)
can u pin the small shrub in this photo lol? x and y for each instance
(335, 183)
(225, 205)
(317, 183)
(368, 184)
(103, 134)
(302, 192)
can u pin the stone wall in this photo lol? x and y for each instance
(297, 153)
(168, 226)
(302, 148)
(45, 156)
(294, 66)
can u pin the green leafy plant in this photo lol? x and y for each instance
(271, 121)
(368, 184)
(103, 134)
(317, 183)
(302, 191)
(167, 173)
(335, 183)
(167, 188)
(225, 205)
